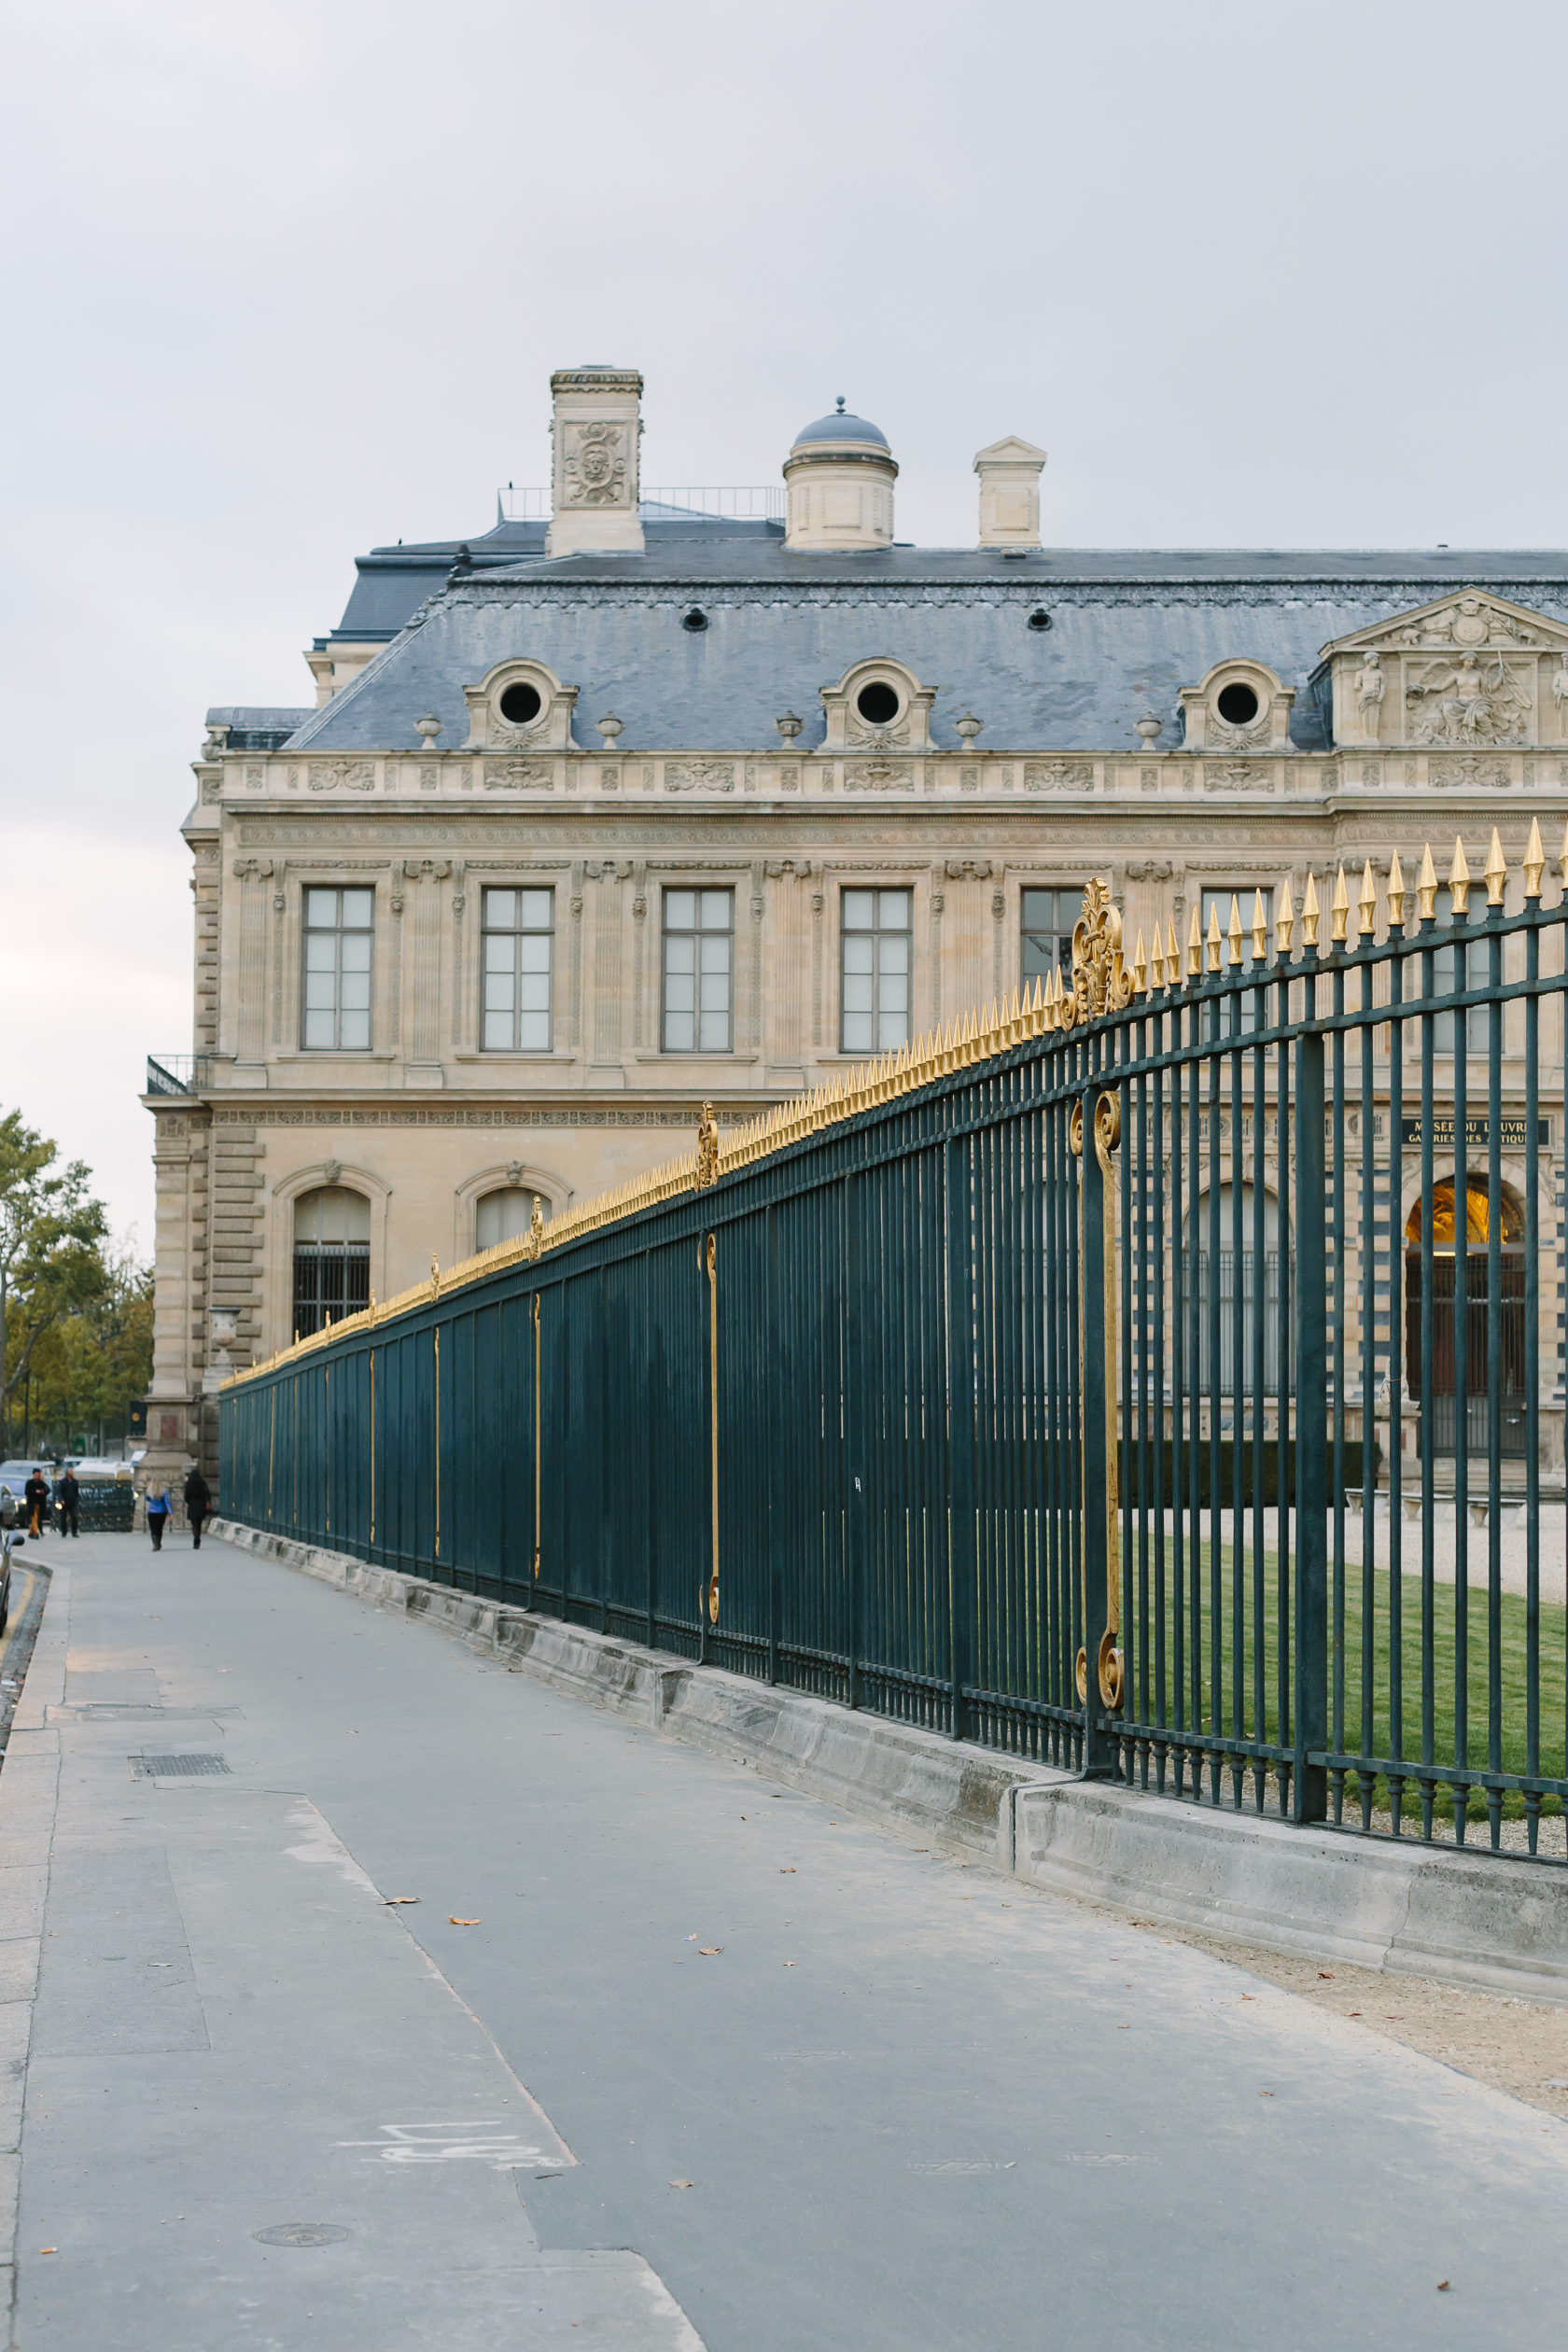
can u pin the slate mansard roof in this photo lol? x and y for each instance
(1127, 630)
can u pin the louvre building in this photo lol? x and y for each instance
(647, 798)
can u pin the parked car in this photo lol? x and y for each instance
(15, 1475)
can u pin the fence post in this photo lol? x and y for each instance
(1310, 1790)
(1099, 1736)
(962, 1566)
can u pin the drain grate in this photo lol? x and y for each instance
(174, 1767)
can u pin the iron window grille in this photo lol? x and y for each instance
(331, 1257)
(698, 967)
(339, 936)
(875, 949)
(518, 955)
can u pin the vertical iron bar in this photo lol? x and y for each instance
(1309, 1781)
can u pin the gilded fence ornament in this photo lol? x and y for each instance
(534, 1241)
(707, 1149)
(1099, 984)
(1108, 1662)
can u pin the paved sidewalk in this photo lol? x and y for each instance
(708, 2049)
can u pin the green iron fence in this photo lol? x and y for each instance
(822, 1406)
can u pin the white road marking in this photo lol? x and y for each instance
(480, 2141)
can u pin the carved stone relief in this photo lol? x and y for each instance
(1468, 773)
(1467, 700)
(518, 775)
(1236, 775)
(594, 467)
(1058, 776)
(877, 776)
(345, 775)
(699, 775)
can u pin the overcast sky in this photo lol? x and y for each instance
(288, 280)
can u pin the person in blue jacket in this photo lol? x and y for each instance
(157, 1512)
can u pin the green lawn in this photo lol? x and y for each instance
(1512, 1657)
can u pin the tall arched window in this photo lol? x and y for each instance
(332, 1256)
(503, 1214)
(1242, 1283)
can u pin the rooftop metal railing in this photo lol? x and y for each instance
(761, 503)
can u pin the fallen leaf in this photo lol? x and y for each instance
(683, 2184)
(787, 1869)
(453, 1921)
(710, 1951)
(389, 1900)
(1353, 2012)
(789, 1963)
(1326, 1975)
(1266, 2095)
(1442, 2286)
(1123, 2029)
(48, 2249)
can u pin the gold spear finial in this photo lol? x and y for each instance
(1396, 893)
(1459, 879)
(1195, 944)
(1157, 962)
(1339, 910)
(1426, 886)
(1260, 928)
(1535, 861)
(1140, 969)
(1173, 955)
(1366, 906)
(1311, 913)
(1215, 943)
(1496, 873)
(1234, 934)
(1284, 921)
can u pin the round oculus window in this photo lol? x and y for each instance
(1237, 705)
(695, 621)
(878, 704)
(1040, 620)
(520, 704)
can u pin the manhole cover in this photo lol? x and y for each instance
(174, 1767)
(302, 2233)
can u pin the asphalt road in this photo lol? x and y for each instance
(831, 2092)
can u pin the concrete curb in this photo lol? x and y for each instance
(29, 1797)
(1408, 1909)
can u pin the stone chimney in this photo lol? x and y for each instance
(594, 473)
(1009, 475)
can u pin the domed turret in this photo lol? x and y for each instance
(840, 474)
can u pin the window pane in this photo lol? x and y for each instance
(537, 909)
(318, 1028)
(858, 993)
(893, 909)
(321, 907)
(893, 953)
(715, 910)
(498, 992)
(497, 1029)
(357, 951)
(678, 1037)
(358, 907)
(857, 910)
(500, 909)
(321, 952)
(534, 1032)
(680, 910)
(355, 1031)
(321, 993)
(535, 951)
(892, 1029)
(534, 992)
(680, 992)
(500, 953)
(857, 1032)
(716, 953)
(680, 954)
(356, 990)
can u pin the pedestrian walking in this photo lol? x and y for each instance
(157, 1512)
(198, 1503)
(67, 1497)
(36, 1494)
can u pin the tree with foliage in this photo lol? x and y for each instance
(51, 1258)
(97, 1358)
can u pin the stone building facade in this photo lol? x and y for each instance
(647, 799)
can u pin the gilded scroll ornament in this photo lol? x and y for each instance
(707, 1149)
(1099, 984)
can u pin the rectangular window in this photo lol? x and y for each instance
(1244, 893)
(699, 938)
(517, 928)
(1047, 919)
(1454, 969)
(339, 935)
(875, 1013)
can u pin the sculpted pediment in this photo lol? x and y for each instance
(1469, 668)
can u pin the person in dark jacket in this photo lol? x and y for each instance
(67, 1498)
(36, 1495)
(157, 1512)
(198, 1503)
